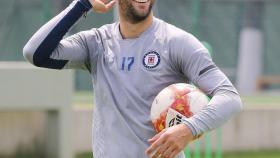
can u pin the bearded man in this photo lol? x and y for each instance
(130, 62)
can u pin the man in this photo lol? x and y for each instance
(130, 61)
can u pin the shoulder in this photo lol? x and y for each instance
(178, 38)
(172, 32)
(103, 32)
(106, 31)
(183, 39)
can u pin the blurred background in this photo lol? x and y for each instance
(242, 35)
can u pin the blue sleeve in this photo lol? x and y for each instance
(46, 47)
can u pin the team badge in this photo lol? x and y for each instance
(151, 60)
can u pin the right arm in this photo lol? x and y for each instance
(46, 47)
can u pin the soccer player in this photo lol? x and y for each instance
(130, 62)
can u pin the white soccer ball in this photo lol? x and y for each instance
(175, 102)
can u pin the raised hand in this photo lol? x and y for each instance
(102, 6)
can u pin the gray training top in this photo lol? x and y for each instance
(127, 74)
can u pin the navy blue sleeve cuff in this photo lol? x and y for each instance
(86, 4)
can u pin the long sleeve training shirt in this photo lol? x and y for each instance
(127, 74)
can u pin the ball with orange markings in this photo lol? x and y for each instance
(174, 103)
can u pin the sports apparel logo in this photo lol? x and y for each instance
(151, 60)
(173, 117)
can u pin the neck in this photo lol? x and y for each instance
(129, 30)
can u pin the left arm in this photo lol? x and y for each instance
(225, 102)
(197, 65)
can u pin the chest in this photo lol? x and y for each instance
(136, 57)
(137, 66)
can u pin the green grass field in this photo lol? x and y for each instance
(253, 154)
(85, 99)
(249, 154)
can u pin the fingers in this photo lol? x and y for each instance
(152, 150)
(165, 151)
(102, 6)
(152, 140)
(174, 153)
(158, 145)
(160, 150)
(110, 5)
(168, 143)
(168, 152)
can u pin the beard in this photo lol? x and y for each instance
(130, 13)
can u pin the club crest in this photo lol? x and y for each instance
(151, 60)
